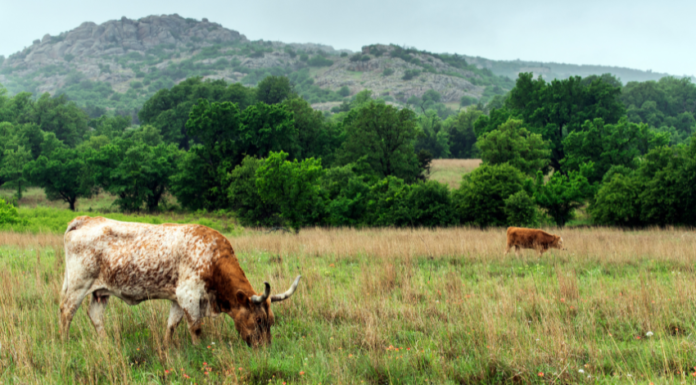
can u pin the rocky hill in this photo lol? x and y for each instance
(121, 63)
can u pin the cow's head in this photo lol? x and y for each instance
(254, 317)
(558, 243)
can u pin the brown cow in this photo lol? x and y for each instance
(192, 266)
(539, 240)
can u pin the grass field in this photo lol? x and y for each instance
(450, 171)
(385, 307)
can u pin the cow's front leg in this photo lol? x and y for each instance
(190, 302)
(73, 294)
(97, 307)
(176, 313)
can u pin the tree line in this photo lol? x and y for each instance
(548, 148)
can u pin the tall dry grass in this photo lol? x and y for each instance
(388, 306)
(450, 171)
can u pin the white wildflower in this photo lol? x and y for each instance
(649, 334)
(581, 371)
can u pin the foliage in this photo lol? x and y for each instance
(169, 109)
(480, 199)
(245, 199)
(138, 173)
(521, 210)
(512, 143)
(8, 214)
(617, 202)
(273, 89)
(433, 137)
(608, 145)
(462, 138)
(557, 109)
(292, 186)
(563, 193)
(12, 170)
(385, 135)
(63, 174)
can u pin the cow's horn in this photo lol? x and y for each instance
(264, 297)
(287, 294)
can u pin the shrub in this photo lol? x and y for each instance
(344, 91)
(245, 199)
(410, 74)
(319, 61)
(618, 202)
(467, 101)
(8, 213)
(387, 71)
(304, 57)
(521, 210)
(481, 198)
(427, 204)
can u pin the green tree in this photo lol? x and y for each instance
(293, 187)
(607, 145)
(557, 108)
(316, 137)
(432, 136)
(63, 174)
(385, 135)
(617, 202)
(12, 169)
(169, 109)
(521, 210)
(273, 89)
(137, 173)
(461, 133)
(512, 143)
(60, 116)
(563, 194)
(480, 199)
(245, 199)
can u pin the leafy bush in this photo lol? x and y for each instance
(427, 204)
(388, 71)
(521, 210)
(344, 91)
(481, 197)
(245, 199)
(8, 214)
(319, 61)
(410, 74)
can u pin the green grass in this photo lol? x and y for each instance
(389, 307)
(39, 215)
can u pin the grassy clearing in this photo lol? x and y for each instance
(450, 171)
(385, 306)
(40, 215)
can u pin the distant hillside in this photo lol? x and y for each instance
(119, 64)
(549, 71)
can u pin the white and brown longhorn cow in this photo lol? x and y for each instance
(193, 266)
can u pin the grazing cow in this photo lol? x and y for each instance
(193, 266)
(531, 239)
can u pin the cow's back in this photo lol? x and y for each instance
(136, 258)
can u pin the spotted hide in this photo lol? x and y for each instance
(192, 266)
(519, 237)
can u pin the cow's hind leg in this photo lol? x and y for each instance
(176, 313)
(97, 307)
(72, 298)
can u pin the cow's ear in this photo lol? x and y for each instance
(242, 298)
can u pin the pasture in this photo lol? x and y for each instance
(384, 306)
(450, 171)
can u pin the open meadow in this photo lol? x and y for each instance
(384, 306)
(450, 171)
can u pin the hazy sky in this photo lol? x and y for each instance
(638, 34)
